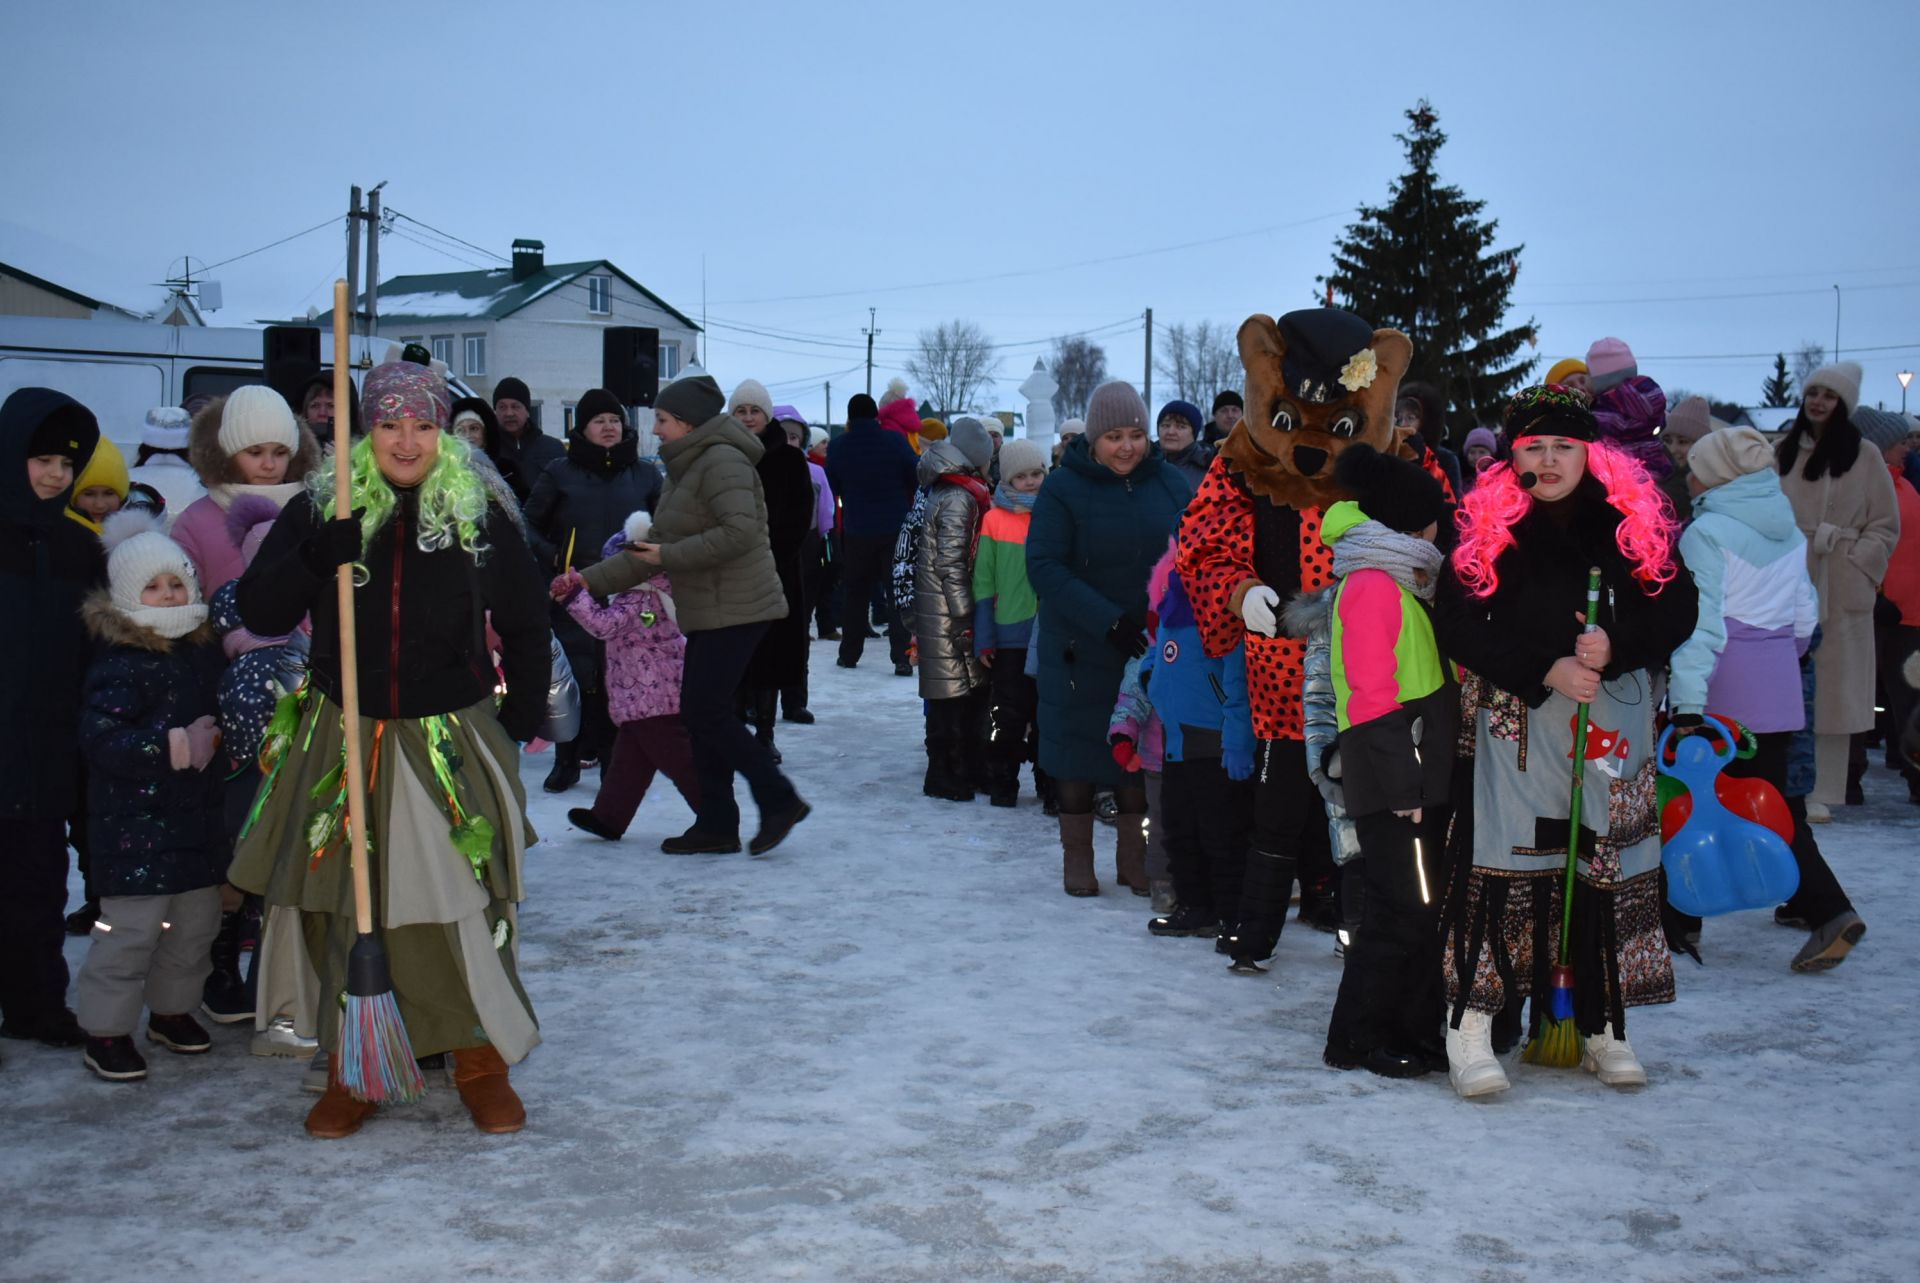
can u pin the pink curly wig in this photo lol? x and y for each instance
(1497, 503)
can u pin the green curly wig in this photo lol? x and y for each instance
(452, 499)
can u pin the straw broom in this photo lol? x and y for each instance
(376, 1060)
(1558, 1045)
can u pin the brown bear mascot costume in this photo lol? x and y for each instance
(1318, 381)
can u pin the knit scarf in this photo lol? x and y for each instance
(170, 621)
(1413, 563)
(1013, 500)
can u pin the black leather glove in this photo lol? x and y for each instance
(336, 543)
(1128, 636)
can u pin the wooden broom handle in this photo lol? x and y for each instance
(343, 580)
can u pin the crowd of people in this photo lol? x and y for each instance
(1254, 692)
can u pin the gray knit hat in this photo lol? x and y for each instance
(1114, 405)
(969, 437)
(1880, 428)
(691, 399)
(1020, 455)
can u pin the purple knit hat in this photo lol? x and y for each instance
(403, 390)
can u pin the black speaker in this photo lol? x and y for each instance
(289, 356)
(630, 363)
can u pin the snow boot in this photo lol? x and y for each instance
(941, 782)
(1163, 899)
(224, 995)
(1612, 1060)
(336, 1114)
(1185, 920)
(1049, 796)
(1263, 910)
(1384, 1061)
(115, 1059)
(766, 711)
(481, 1078)
(1472, 1067)
(179, 1033)
(1828, 947)
(566, 768)
(793, 703)
(1076, 845)
(1003, 783)
(1130, 852)
(586, 821)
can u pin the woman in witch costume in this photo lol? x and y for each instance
(1511, 610)
(448, 829)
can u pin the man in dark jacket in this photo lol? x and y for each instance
(872, 471)
(47, 565)
(522, 443)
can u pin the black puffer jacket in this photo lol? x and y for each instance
(528, 455)
(418, 618)
(780, 659)
(47, 566)
(586, 497)
(1514, 636)
(153, 830)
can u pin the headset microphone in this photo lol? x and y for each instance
(1527, 480)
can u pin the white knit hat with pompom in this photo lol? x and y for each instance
(137, 553)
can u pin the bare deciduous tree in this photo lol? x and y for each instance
(1200, 360)
(1811, 356)
(1078, 366)
(955, 361)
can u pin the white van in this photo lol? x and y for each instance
(122, 369)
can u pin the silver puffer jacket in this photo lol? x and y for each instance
(943, 578)
(1310, 615)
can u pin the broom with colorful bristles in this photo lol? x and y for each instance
(376, 1060)
(1558, 1044)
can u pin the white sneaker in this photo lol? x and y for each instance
(279, 1039)
(1817, 813)
(1612, 1060)
(1472, 1067)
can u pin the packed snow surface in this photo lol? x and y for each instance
(893, 1050)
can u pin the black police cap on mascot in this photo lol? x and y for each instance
(1320, 341)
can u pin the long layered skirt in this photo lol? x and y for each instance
(446, 914)
(1509, 854)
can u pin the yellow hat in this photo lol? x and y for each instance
(932, 430)
(1561, 369)
(107, 467)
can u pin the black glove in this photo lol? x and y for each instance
(1128, 636)
(336, 543)
(1688, 721)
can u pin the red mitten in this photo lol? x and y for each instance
(1125, 754)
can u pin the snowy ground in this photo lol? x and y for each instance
(893, 1050)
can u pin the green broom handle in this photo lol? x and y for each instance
(1579, 780)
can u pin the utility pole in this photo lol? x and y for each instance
(373, 259)
(1836, 323)
(870, 332)
(827, 422)
(1149, 397)
(353, 262)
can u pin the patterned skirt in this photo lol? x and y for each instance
(447, 842)
(1508, 852)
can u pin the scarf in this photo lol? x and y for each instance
(170, 621)
(1013, 500)
(1413, 563)
(278, 494)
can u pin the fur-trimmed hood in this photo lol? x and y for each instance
(1304, 612)
(215, 467)
(110, 625)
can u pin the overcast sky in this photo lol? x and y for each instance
(1695, 178)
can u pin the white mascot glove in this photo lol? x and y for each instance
(1257, 609)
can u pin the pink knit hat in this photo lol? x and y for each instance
(1610, 363)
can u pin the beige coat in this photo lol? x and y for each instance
(1851, 523)
(712, 530)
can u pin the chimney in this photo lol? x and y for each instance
(528, 257)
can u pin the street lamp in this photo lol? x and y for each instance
(1905, 377)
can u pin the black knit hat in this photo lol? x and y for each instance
(596, 402)
(1547, 409)
(511, 389)
(693, 399)
(1399, 495)
(70, 430)
(861, 406)
(1228, 398)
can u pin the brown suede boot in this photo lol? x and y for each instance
(336, 1114)
(1130, 852)
(481, 1076)
(1076, 842)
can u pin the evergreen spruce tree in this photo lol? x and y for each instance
(1777, 390)
(1424, 263)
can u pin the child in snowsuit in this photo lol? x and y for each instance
(151, 741)
(1004, 607)
(1398, 708)
(1139, 746)
(645, 654)
(1208, 727)
(952, 680)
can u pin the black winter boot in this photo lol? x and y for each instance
(566, 767)
(1263, 910)
(224, 995)
(1003, 783)
(766, 709)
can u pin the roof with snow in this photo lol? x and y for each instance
(490, 295)
(1770, 418)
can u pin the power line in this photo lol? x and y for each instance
(1754, 276)
(329, 222)
(1742, 356)
(1041, 271)
(449, 236)
(1712, 298)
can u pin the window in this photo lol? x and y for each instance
(600, 295)
(669, 361)
(443, 350)
(566, 417)
(476, 354)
